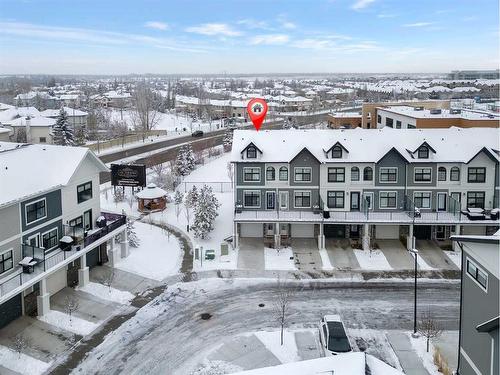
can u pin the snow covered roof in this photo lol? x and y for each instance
(37, 121)
(69, 111)
(346, 114)
(4, 106)
(367, 145)
(15, 112)
(151, 192)
(21, 167)
(445, 113)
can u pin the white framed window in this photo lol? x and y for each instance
(388, 199)
(50, 239)
(422, 175)
(422, 199)
(302, 199)
(388, 175)
(6, 261)
(283, 174)
(251, 174)
(35, 211)
(368, 200)
(477, 274)
(283, 196)
(302, 174)
(251, 198)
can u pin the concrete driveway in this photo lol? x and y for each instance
(340, 253)
(251, 254)
(396, 254)
(306, 254)
(434, 256)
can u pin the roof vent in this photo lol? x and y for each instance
(435, 111)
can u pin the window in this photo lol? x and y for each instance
(367, 174)
(455, 174)
(50, 239)
(302, 199)
(476, 175)
(388, 174)
(84, 192)
(43, 140)
(422, 199)
(477, 274)
(423, 153)
(336, 174)
(398, 124)
(389, 122)
(251, 199)
(335, 199)
(77, 222)
(270, 174)
(354, 174)
(303, 174)
(475, 199)
(441, 174)
(251, 174)
(6, 261)
(387, 199)
(336, 152)
(283, 174)
(410, 126)
(35, 211)
(423, 175)
(379, 119)
(251, 152)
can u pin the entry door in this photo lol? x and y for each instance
(441, 201)
(440, 232)
(87, 220)
(283, 200)
(270, 200)
(354, 201)
(34, 240)
(456, 200)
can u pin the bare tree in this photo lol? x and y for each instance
(230, 172)
(21, 343)
(144, 113)
(429, 327)
(281, 307)
(108, 278)
(71, 305)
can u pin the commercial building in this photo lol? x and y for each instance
(344, 120)
(479, 305)
(407, 117)
(474, 74)
(49, 237)
(365, 184)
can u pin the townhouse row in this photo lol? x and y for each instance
(51, 226)
(372, 183)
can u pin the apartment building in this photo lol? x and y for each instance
(344, 120)
(49, 232)
(474, 74)
(365, 183)
(479, 305)
(408, 117)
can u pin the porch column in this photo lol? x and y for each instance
(125, 250)
(409, 239)
(236, 236)
(454, 244)
(321, 238)
(113, 253)
(43, 300)
(366, 237)
(277, 237)
(83, 272)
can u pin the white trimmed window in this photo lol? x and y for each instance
(36, 211)
(251, 198)
(388, 175)
(477, 274)
(422, 199)
(6, 261)
(50, 239)
(302, 199)
(303, 174)
(422, 175)
(251, 174)
(388, 199)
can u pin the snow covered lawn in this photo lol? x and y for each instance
(422, 264)
(157, 256)
(420, 346)
(279, 260)
(109, 294)
(455, 257)
(61, 320)
(287, 352)
(372, 260)
(23, 364)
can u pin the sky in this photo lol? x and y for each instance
(257, 36)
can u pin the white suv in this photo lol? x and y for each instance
(332, 335)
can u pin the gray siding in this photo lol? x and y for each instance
(391, 159)
(304, 159)
(9, 221)
(411, 175)
(53, 209)
(239, 174)
(314, 197)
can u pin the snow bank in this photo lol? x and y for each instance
(422, 264)
(109, 294)
(420, 346)
(287, 352)
(372, 260)
(455, 257)
(61, 320)
(325, 260)
(23, 364)
(279, 260)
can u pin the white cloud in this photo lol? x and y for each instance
(156, 25)
(418, 24)
(313, 43)
(253, 24)
(270, 39)
(288, 25)
(361, 4)
(213, 29)
(386, 15)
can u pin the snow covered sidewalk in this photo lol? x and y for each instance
(372, 260)
(76, 325)
(106, 293)
(21, 363)
(281, 259)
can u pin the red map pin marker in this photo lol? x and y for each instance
(257, 110)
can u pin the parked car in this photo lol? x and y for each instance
(332, 335)
(197, 133)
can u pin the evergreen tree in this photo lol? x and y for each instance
(133, 240)
(62, 132)
(81, 135)
(180, 162)
(205, 212)
(192, 197)
(190, 163)
(227, 142)
(178, 199)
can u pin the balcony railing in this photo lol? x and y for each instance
(47, 260)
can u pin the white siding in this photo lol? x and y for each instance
(57, 281)
(251, 230)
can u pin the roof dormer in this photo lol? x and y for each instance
(251, 152)
(337, 151)
(423, 151)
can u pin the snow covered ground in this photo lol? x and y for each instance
(420, 346)
(372, 260)
(62, 321)
(279, 260)
(157, 256)
(422, 264)
(287, 352)
(455, 257)
(106, 293)
(21, 363)
(325, 259)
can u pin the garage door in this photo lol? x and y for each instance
(387, 232)
(252, 230)
(422, 232)
(334, 231)
(302, 230)
(474, 230)
(10, 310)
(57, 281)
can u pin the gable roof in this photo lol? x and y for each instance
(251, 144)
(393, 149)
(490, 153)
(337, 144)
(309, 152)
(427, 145)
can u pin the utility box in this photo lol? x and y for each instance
(224, 249)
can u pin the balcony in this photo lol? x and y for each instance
(47, 261)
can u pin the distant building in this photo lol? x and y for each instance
(344, 120)
(479, 305)
(75, 116)
(407, 117)
(30, 129)
(474, 74)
